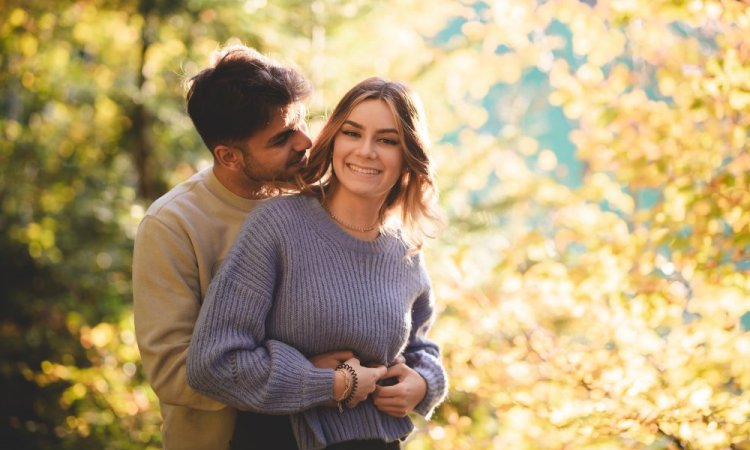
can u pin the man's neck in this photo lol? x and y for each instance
(238, 184)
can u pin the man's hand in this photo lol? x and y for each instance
(331, 360)
(398, 360)
(367, 379)
(401, 398)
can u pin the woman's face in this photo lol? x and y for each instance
(368, 152)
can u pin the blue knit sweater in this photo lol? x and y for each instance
(296, 285)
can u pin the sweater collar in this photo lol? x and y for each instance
(323, 221)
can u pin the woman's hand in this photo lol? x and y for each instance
(367, 379)
(401, 398)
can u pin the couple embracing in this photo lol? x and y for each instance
(280, 296)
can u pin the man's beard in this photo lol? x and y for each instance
(272, 184)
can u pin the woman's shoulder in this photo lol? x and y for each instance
(280, 215)
(281, 207)
(273, 220)
(395, 234)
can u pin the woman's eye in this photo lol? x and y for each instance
(349, 133)
(390, 141)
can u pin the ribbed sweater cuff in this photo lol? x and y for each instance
(436, 381)
(301, 384)
(317, 386)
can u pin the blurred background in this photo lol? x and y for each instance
(594, 277)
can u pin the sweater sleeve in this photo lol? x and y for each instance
(423, 355)
(230, 357)
(166, 301)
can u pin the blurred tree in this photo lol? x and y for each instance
(65, 196)
(605, 315)
(93, 130)
(600, 314)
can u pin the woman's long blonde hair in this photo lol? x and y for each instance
(415, 193)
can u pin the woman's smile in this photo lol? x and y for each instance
(363, 170)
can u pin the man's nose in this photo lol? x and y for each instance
(302, 141)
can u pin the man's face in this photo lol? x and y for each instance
(277, 152)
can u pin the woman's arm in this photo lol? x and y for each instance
(422, 382)
(423, 355)
(230, 357)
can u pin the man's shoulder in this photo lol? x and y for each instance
(181, 198)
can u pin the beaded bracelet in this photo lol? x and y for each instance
(347, 384)
(350, 389)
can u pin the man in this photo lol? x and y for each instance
(249, 111)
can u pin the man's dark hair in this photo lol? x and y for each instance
(236, 97)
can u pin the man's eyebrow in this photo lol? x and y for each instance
(280, 137)
(295, 120)
(359, 126)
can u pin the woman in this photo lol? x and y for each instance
(322, 271)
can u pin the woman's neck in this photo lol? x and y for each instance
(358, 216)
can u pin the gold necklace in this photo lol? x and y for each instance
(351, 227)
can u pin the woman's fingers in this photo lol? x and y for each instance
(401, 398)
(394, 405)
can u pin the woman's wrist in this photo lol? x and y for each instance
(339, 384)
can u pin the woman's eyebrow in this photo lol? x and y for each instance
(382, 130)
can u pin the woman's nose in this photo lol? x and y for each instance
(366, 149)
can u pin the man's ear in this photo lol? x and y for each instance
(229, 157)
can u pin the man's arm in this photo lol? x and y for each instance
(166, 298)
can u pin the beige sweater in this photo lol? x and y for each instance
(180, 245)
